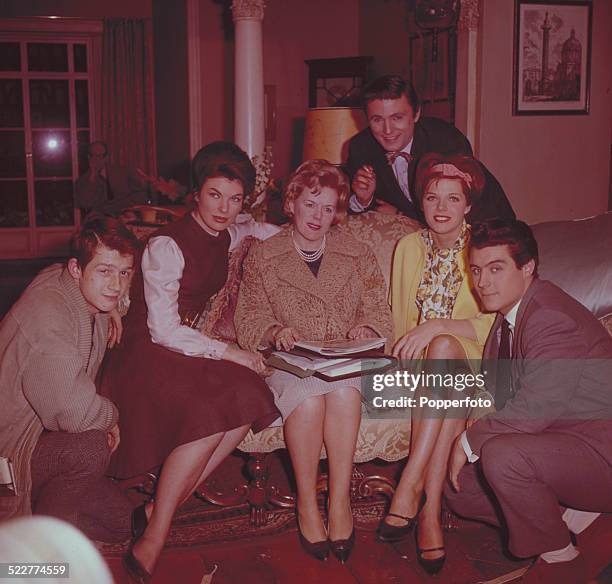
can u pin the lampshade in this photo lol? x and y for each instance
(328, 131)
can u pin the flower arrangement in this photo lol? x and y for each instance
(255, 203)
(172, 189)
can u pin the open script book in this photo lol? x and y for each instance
(341, 347)
(303, 364)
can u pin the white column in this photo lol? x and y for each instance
(467, 95)
(249, 131)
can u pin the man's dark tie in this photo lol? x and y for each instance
(107, 187)
(392, 156)
(503, 377)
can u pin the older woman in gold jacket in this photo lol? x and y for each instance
(313, 282)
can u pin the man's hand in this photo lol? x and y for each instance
(456, 462)
(113, 438)
(361, 332)
(115, 328)
(364, 184)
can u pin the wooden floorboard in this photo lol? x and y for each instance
(373, 562)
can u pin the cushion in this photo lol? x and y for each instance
(577, 256)
(381, 232)
(219, 319)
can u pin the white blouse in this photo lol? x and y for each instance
(162, 268)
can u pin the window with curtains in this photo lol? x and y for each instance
(46, 109)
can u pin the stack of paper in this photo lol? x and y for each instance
(342, 346)
(303, 365)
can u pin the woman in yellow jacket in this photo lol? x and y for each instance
(436, 316)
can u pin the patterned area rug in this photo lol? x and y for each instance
(200, 522)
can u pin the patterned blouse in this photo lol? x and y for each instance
(441, 277)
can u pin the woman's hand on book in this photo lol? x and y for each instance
(284, 338)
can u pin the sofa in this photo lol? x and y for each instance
(576, 255)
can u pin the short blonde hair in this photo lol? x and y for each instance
(314, 175)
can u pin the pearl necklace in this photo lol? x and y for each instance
(309, 256)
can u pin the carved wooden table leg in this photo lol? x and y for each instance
(257, 494)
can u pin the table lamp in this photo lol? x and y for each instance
(328, 131)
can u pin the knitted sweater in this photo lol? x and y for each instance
(50, 350)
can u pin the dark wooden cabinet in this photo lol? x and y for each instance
(337, 82)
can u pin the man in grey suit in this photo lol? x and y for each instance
(543, 460)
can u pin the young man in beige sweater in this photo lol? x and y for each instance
(55, 429)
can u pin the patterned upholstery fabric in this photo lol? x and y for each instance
(219, 319)
(381, 232)
(385, 439)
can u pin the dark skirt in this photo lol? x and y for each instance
(166, 399)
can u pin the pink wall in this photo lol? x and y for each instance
(293, 31)
(552, 167)
(383, 34)
(78, 8)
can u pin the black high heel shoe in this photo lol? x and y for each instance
(343, 548)
(389, 533)
(139, 521)
(431, 565)
(317, 549)
(136, 571)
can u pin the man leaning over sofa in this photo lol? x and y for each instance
(544, 459)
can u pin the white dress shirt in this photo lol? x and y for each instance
(162, 269)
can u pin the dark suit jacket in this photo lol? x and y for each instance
(561, 373)
(126, 187)
(430, 135)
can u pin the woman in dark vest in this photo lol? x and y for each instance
(185, 400)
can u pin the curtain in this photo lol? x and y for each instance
(127, 104)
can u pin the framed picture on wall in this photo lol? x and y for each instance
(552, 57)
